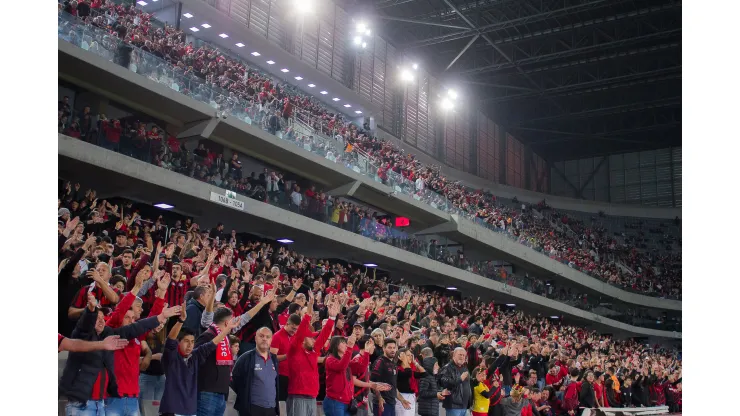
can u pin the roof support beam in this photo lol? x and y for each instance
(571, 52)
(420, 22)
(490, 42)
(546, 32)
(470, 43)
(505, 24)
(588, 84)
(624, 108)
(494, 85)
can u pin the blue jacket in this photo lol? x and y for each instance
(241, 382)
(195, 312)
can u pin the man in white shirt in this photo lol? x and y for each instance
(296, 198)
(419, 184)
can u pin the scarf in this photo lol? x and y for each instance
(615, 386)
(223, 350)
(413, 382)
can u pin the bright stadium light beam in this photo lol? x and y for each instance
(452, 94)
(304, 7)
(357, 40)
(447, 104)
(406, 75)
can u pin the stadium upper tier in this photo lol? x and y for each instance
(410, 188)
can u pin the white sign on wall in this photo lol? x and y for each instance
(229, 200)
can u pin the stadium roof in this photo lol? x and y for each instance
(572, 78)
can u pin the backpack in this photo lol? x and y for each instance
(570, 399)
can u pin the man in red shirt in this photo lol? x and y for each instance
(279, 346)
(303, 380)
(126, 361)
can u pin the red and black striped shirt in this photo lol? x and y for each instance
(80, 301)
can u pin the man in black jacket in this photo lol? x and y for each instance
(88, 378)
(505, 362)
(455, 378)
(252, 377)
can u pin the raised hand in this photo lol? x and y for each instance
(311, 297)
(232, 323)
(114, 342)
(297, 284)
(333, 310)
(169, 312)
(92, 302)
(370, 346)
(95, 276)
(90, 241)
(71, 224)
(351, 341)
(268, 297)
(169, 251)
(164, 282)
(464, 376)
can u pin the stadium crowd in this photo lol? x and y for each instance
(226, 311)
(272, 104)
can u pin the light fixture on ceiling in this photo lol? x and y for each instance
(361, 27)
(194, 29)
(510, 304)
(367, 32)
(447, 104)
(224, 35)
(141, 3)
(358, 112)
(323, 93)
(241, 45)
(335, 99)
(298, 78)
(406, 75)
(311, 85)
(555, 317)
(358, 40)
(452, 94)
(270, 62)
(452, 288)
(415, 66)
(162, 205)
(255, 54)
(364, 45)
(206, 26)
(285, 241)
(304, 7)
(188, 15)
(370, 265)
(347, 105)
(284, 70)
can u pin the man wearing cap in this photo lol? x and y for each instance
(303, 378)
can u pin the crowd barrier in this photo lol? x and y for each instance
(638, 411)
